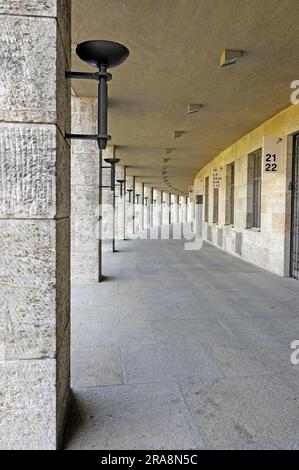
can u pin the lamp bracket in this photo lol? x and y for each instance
(88, 136)
(89, 76)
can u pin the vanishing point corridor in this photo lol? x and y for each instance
(183, 350)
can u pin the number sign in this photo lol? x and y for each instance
(273, 154)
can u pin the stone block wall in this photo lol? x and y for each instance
(34, 223)
(269, 246)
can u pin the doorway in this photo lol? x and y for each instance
(294, 255)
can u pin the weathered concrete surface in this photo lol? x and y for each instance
(204, 340)
(34, 223)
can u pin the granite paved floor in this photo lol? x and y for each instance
(183, 350)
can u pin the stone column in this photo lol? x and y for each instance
(34, 222)
(138, 207)
(107, 201)
(119, 205)
(84, 193)
(129, 206)
(143, 210)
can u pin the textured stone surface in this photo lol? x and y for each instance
(34, 286)
(240, 412)
(151, 416)
(33, 83)
(31, 7)
(63, 380)
(28, 404)
(111, 333)
(85, 193)
(97, 366)
(34, 223)
(84, 268)
(28, 73)
(35, 172)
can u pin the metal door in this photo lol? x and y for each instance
(294, 258)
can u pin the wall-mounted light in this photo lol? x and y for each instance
(130, 194)
(112, 161)
(121, 183)
(229, 57)
(102, 55)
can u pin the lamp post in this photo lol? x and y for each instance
(130, 194)
(102, 55)
(121, 183)
(113, 161)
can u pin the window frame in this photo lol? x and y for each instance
(254, 189)
(207, 189)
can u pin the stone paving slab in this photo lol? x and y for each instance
(144, 416)
(96, 366)
(201, 341)
(168, 362)
(241, 412)
(115, 333)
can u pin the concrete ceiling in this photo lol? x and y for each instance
(174, 60)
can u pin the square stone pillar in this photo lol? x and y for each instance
(85, 246)
(129, 222)
(34, 222)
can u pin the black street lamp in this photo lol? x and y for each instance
(137, 197)
(102, 55)
(112, 161)
(121, 183)
(130, 194)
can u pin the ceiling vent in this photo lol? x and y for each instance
(178, 134)
(193, 108)
(229, 57)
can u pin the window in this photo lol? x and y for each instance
(254, 183)
(207, 199)
(215, 205)
(230, 194)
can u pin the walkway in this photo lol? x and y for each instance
(184, 350)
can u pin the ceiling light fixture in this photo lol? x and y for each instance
(177, 134)
(193, 108)
(229, 57)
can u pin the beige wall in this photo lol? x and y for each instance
(269, 247)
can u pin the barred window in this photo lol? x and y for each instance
(215, 205)
(230, 194)
(207, 199)
(254, 184)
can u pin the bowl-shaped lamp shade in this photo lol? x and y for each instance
(112, 160)
(97, 53)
